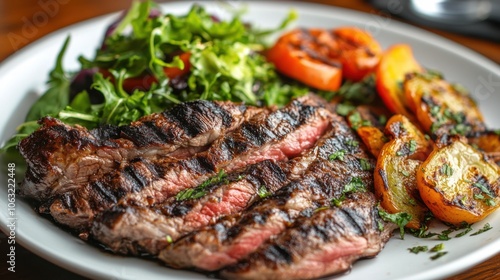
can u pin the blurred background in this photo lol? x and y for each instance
(472, 23)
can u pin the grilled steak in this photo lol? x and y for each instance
(61, 157)
(133, 229)
(254, 193)
(175, 218)
(232, 239)
(280, 135)
(326, 243)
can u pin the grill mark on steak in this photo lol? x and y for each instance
(324, 244)
(175, 218)
(61, 158)
(285, 133)
(232, 239)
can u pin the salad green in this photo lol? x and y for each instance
(226, 62)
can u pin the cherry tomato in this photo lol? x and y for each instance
(304, 55)
(359, 52)
(320, 58)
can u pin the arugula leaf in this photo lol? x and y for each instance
(225, 59)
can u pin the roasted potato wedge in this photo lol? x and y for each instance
(395, 173)
(458, 184)
(373, 138)
(396, 184)
(369, 122)
(441, 108)
(489, 143)
(395, 63)
(418, 147)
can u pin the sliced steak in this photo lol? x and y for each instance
(280, 135)
(139, 230)
(234, 238)
(61, 157)
(174, 218)
(324, 244)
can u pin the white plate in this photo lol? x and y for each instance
(22, 77)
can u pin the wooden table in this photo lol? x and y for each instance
(24, 21)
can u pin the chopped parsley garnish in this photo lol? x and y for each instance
(444, 235)
(355, 185)
(437, 248)
(408, 148)
(467, 228)
(190, 194)
(400, 219)
(418, 249)
(412, 202)
(446, 170)
(459, 129)
(380, 225)
(200, 191)
(356, 121)
(490, 202)
(478, 196)
(485, 228)
(263, 192)
(338, 155)
(352, 143)
(438, 255)
(357, 92)
(486, 195)
(169, 239)
(435, 110)
(483, 188)
(365, 164)
(413, 146)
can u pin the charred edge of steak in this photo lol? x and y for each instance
(183, 122)
(230, 240)
(324, 244)
(279, 135)
(77, 209)
(175, 218)
(60, 157)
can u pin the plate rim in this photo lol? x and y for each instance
(397, 27)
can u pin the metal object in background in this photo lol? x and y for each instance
(480, 18)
